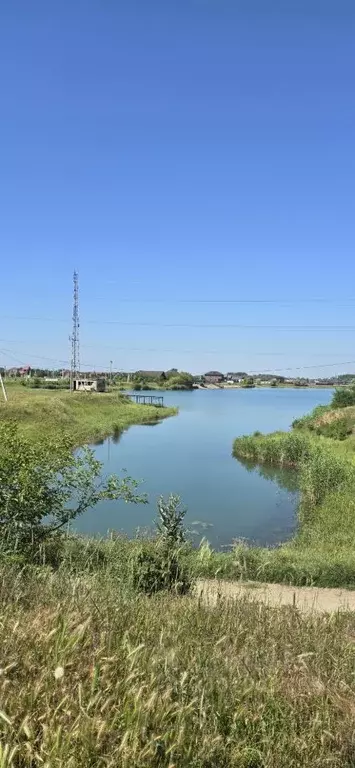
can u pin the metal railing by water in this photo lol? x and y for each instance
(157, 400)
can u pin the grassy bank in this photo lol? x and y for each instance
(322, 551)
(94, 675)
(85, 417)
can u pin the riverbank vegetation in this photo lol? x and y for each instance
(85, 417)
(322, 553)
(336, 420)
(109, 659)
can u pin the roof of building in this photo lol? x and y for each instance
(151, 374)
(214, 373)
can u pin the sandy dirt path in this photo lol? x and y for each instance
(307, 599)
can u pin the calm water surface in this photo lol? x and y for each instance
(190, 454)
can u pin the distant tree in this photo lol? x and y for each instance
(346, 378)
(183, 380)
(248, 383)
(171, 373)
(343, 397)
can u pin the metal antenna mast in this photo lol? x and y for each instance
(75, 345)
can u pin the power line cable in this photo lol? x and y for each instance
(327, 328)
(267, 370)
(49, 359)
(176, 351)
(305, 367)
(173, 300)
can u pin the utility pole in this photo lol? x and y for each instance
(3, 388)
(75, 346)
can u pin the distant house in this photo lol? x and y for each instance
(25, 370)
(237, 377)
(325, 382)
(213, 377)
(89, 385)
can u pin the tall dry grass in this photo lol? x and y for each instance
(92, 675)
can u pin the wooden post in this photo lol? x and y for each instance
(3, 388)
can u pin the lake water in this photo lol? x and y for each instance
(190, 455)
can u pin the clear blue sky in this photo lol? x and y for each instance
(171, 150)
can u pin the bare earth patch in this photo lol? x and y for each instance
(306, 599)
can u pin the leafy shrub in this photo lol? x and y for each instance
(156, 566)
(343, 398)
(170, 523)
(44, 486)
(159, 565)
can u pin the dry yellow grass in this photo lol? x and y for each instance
(91, 676)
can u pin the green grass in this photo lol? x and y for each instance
(85, 417)
(322, 551)
(327, 421)
(94, 676)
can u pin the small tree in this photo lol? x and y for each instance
(44, 486)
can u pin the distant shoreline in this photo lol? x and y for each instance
(267, 386)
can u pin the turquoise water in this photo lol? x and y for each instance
(190, 455)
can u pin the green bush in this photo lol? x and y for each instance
(156, 566)
(182, 380)
(44, 486)
(343, 398)
(337, 430)
(160, 565)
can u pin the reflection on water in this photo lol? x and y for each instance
(190, 455)
(284, 477)
(116, 435)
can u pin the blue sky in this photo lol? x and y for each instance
(182, 155)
